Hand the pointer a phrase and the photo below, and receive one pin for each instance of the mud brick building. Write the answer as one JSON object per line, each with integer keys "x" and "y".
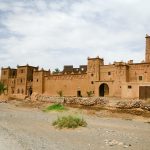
{"x": 120, "y": 79}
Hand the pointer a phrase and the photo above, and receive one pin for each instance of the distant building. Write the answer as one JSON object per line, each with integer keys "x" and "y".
{"x": 125, "y": 80}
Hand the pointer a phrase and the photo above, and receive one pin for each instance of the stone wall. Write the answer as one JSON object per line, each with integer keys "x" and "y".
{"x": 87, "y": 101}
{"x": 92, "y": 101}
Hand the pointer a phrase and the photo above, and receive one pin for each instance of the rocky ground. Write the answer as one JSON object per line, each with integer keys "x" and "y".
{"x": 24, "y": 127}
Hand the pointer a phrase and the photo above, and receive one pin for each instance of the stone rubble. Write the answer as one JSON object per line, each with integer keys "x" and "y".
{"x": 91, "y": 101}
{"x": 86, "y": 101}
{"x": 115, "y": 142}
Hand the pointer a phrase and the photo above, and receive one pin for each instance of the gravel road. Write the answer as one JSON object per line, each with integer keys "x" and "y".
{"x": 31, "y": 129}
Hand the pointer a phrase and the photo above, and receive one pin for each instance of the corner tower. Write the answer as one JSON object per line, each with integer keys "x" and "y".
{"x": 147, "y": 50}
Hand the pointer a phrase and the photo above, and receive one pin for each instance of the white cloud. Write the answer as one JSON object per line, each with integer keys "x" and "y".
{"x": 55, "y": 33}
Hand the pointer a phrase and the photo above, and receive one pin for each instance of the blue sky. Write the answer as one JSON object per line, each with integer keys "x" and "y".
{"x": 53, "y": 33}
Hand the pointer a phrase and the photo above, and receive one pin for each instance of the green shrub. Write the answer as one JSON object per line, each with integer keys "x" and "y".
{"x": 69, "y": 122}
{"x": 57, "y": 107}
{"x": 2, "y": 88}
{"x": 89, "y": 93}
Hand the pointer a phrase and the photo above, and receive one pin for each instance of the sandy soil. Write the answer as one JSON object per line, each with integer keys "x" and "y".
{"x": 23, "y": 128}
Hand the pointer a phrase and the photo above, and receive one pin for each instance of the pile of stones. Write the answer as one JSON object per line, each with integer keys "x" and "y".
{"x": 145, "y": 107}
{"x": 86, "y": 101}
{"x": 133, "y": 104}
{"x": 91, "y": 101}
{"x": 3, "y": 101}
{"x": 129, "y": 104}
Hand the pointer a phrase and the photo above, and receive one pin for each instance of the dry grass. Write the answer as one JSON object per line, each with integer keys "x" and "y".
{"x": 69, "y": 122}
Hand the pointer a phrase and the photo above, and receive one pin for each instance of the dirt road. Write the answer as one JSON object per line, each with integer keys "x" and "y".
{"x": 31, "y": 129}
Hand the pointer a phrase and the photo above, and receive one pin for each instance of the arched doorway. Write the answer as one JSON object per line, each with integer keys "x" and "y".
{"x": 103, "y": 90}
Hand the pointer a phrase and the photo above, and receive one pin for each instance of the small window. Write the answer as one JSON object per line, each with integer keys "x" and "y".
{"x": 92, "y": 74}
{"x": 4, "y": 72}
{"x": 140, "y": 78}
{"x": 21, "y": 70}
{"x": 37, "y": 80}
{"x": 21, "y": 80}
{"x": 92, "y": 82}
{"x": 109, "y": 73}
{"x": 129, "y": 87}
{"x": 18, "y": 91}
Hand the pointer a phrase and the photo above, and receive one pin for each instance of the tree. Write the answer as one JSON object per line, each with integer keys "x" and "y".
{"x": 57, "y": 70}
{"x": 2, "y": 88}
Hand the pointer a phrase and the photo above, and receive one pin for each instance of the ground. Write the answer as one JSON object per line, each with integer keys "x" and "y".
{"x": 29, "y": 128}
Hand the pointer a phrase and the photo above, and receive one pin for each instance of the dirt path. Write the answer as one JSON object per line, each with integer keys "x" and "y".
{"x": 31, "y": 129}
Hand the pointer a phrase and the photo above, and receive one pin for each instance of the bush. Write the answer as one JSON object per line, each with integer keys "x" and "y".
{"x": 69, "y": 122}
{"x": 57, "y": 107}
{"x": 89, "y": 93}
{"x": 2, "y": 88}
{"x": 60, "y": 93}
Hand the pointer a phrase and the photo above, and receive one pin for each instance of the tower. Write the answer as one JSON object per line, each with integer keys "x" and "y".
{"x": 147, "y": 52}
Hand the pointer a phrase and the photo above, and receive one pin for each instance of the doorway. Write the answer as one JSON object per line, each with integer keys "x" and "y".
{"x": 103, "y": 90}
{"x": 79, "y": 94}
{"x": 144, "y": 92}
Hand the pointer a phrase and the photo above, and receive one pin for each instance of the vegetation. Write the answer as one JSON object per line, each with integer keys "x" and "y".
{"x": 2, "y": 88}
{"x": 89, "y": 93}
{"x": 57, "y": 70}
{"x": 55, "y": 107}
{"x": 69, "y": 122}
{"x": 60, "y": 93}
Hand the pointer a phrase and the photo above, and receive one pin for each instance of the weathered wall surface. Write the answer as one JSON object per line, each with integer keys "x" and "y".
{"x": 68, "y": 84}
{"x": 131, "y": 89}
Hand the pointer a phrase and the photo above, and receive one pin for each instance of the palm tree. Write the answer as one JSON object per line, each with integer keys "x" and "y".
{"x": 57, "y": 70}
{"x": 2, "y": 88}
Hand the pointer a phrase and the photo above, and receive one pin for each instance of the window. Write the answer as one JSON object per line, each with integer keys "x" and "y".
{"x": 140, "y": 78}
{"x": 37, "y": 80}
{"x": 4, "y": 72}
{"x": 22, "y": 70}
{"x": 109, "y": 73}
{"x": 129, "y": 87}
{"x": 92, "y": 82}
{"x": 92, "y": 74}
{"x": 21, "y": 80}
{"x": 22, "y": 91}
{"x": 18, "y": 91}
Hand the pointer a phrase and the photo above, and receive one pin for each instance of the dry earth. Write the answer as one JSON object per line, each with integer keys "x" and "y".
{"x": 28, "y": 128}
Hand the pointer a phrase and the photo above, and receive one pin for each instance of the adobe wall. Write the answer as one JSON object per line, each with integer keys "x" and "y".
{"x": 136, "y": 70}
{"x": 21, "y": 80}
{"x": 113, "y": 75}
{"x": 68, "y": 84}
{"x": 110, "y": 85}
{"x": 107, "y": 73}
{"x": 38, "y": 80}
{"x": 131, "y": 89}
